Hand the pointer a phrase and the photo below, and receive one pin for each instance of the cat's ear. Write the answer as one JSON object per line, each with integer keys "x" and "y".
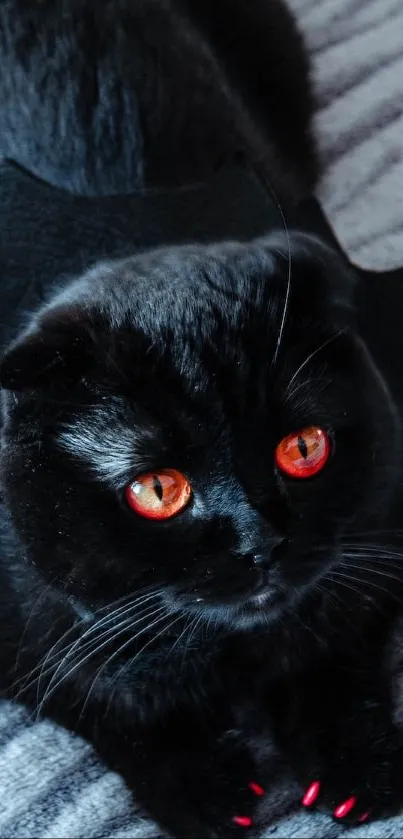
{"x": 319, "y": 274}
{"x": 333, "y": 278}
{"x": 55, "y": 350}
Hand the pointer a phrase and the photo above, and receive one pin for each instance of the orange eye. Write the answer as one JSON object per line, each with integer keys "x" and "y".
{"x": 159, "y": 495}
{"x": 303, "y": 454}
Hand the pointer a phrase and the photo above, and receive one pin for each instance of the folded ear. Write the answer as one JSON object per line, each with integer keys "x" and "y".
{"x": 333, "y": 276}
{"x": 319, "y": 274}
{"x": 55, "y": 350}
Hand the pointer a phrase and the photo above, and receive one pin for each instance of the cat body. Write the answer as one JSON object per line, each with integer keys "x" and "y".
{"x": 216, "y": 625}
{"x": 189, "y": 81}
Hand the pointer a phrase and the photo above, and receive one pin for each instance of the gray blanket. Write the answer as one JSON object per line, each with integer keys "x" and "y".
{"x": 51, "y": 783}
{"x": 357, "y": 52}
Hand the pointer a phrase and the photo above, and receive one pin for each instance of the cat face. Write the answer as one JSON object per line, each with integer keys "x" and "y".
{"x": 201, "y": 419}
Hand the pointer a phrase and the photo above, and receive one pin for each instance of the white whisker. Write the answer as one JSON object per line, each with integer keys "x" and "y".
{"x": 340, "y": 580}
{"x": 301, "y": 385}
{"x": 108, "y": 619}
{"x": 382, "y": 554}
{"x": 80, "y": 647}
{"x": 288, "y": 289}
{"x": 59, "y": 653}
{"x": 42, "y": 595}
{"x": 128, "y": 664}
{"x": 312, "y": 355}
{"x": 364, "y": 583}
{"x": 363, "y": 566}
{"x": 123, "y": 647}
{"x": 124, "y": 626}
{"x": 193, "y": 631}
{"x": 178, "y": 639}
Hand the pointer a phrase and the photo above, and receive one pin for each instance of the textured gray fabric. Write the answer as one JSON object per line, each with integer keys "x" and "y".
{"x": 51, "y": 783}
{"x": 357, "y": 50}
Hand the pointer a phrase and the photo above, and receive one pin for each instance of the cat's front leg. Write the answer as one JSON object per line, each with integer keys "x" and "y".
{"x": 345, "y": 747}
{"x": 193, "y": 782}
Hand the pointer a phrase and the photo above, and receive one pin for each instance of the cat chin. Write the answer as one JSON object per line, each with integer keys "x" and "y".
{"x": 258, "y": 609}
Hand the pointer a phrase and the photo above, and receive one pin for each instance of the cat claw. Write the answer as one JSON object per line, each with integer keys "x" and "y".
{"x": 311, "y": 794}
{"x": 242, "y": 821}
{"x": 345, "y": 808}
{"x": 256, "y": 788}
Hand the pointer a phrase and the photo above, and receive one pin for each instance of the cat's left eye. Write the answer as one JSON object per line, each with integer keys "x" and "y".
{"x": 304, "y": 453}
{"x": 159, "y": 495}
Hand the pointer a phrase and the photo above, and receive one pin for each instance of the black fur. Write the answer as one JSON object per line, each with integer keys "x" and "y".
{"x": 257, "y": 635}
{"x": 112, "y": 96}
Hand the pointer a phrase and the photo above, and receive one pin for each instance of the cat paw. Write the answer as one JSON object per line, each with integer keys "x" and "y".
{"x": 345, "y": 807}
{"x": 242, "y": 821}
{"x": 214, "y": 805}
{"x": 378, "y": 792}
{"x": 223, "y": 814}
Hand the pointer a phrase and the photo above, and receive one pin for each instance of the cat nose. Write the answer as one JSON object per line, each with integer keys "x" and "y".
{"x": 256, "y": 560}
{"x": 261, "y": 556}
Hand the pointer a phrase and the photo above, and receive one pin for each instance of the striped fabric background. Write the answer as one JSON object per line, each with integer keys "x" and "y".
{"x": 357, "y": 52}
{"x": 51, "y": 783}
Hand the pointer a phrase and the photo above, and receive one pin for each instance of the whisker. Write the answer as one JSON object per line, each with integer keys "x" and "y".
{"x": 111, "y": 617}
{"x": 123, "y": 627}
{"x": 288, "y": 290}
{"x": 194, "y": 630}
{"x": 370, "y": 570}
{"x": 128, "y": 665}
{"x": 332, "y": 595}
{"x": 359, "y": 534}
{"x": 339, "y": 604}
{"x": 312, "y": 355}
{"x": 371, "y": 562}
{"x": 189, "y": 623}
{"x": 366, "y": 583}
{"x": 305, "y": 383}
{"x": 374, "y": 551}
{"x": 75, "y": 627}
{"x": 151, "y": 641}
{"x": 340, "y": 580}
{"x": 123, "y": 647}
{"x": 389, "y": 560}
{"x": 80, "y": 647}
{"x": 42, "y": 595}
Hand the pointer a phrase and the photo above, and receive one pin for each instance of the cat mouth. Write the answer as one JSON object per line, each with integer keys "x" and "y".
{"x": 244, "y": 600}
{"x": 245, "y": 612}
{"x": 262, "y": 599}
{"x": 266, "y": 597}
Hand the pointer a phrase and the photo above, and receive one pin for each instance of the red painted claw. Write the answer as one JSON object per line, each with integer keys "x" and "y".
{"x": 344, "y": 809}
{"x": 256, "y": 788}
{"x": 311, "y": 794}
{"x": 242, "y": 821}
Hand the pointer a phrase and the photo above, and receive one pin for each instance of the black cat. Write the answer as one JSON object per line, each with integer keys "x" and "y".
{"x": 199, "y": 459}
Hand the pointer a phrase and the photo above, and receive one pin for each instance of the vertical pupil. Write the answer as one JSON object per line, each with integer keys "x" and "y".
{"x": 157, "y": 485}
{"x": 303, "y": 448}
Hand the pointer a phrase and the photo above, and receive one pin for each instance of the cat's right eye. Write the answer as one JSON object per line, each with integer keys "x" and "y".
{"x": 159, "y": 495}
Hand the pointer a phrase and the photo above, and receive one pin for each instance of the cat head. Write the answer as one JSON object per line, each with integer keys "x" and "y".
{"x": 200, "y": 419}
